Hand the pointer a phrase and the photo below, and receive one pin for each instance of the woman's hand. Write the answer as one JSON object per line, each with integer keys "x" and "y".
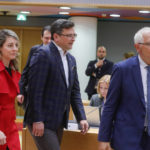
{"x": 2, "y": 138}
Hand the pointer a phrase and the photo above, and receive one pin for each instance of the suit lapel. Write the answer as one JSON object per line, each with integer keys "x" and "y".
{"x": 138, "y": 79}
{"x": 58, "y": 60}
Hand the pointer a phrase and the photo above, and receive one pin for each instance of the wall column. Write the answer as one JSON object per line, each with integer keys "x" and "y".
{"x": 84, "y": 48}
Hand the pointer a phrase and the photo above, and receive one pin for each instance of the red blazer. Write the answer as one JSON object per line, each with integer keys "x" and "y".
{"x": 8, "y": 90}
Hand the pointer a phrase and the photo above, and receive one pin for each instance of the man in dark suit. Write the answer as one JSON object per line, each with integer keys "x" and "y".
{"x": 96, "y": 69}
{"x": 53, "y": 86}
{"x": 125, "y": 121}
{"x": 23, "y": 84}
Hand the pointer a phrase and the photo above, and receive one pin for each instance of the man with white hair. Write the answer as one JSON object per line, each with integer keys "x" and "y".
{"x": 125, "y": 123}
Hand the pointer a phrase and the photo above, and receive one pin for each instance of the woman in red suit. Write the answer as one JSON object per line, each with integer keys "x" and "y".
{"x": 9, "y": 78}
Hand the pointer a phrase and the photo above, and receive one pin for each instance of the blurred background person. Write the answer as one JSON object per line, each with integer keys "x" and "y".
{"x": 46, "y": 35}
{"x": 128, "y": 55}
{"x": 9, "y": 79}
{"x": 96, "y": 69}
{"x": 23, "y": 84}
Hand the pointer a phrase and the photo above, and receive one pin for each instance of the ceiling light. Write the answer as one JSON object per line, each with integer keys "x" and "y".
{"x": 114, "y": 15}
{"x": 144, "y": 11}
{"x": 63, "y": 13}
{"x": 25, "y": 12}
{"x": 64, "y": 7}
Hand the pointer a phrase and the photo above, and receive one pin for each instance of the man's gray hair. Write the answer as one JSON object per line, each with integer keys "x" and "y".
{"x": 138, "y": 37}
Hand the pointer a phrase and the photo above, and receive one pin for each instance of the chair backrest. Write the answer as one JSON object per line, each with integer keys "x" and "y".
{"x": 93, "y": 115}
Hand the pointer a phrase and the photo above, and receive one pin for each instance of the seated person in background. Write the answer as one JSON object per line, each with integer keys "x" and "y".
{"x": 102, "y": 88}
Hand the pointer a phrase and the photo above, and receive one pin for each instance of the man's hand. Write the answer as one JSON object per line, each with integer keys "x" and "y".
{"x": 38, "y": 129}
{"x": 104, "y": 146}
{"x": 94, "y": 74}
{"x": 99, "y": 63}
{"x": 2, "y": 138}
{"x": 84, "y": 126}
{"x": 20, "y": 98}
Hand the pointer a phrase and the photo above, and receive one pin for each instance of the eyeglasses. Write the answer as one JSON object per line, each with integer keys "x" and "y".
{"x": 69, "y": 35}
{"x": 147, "y": 44}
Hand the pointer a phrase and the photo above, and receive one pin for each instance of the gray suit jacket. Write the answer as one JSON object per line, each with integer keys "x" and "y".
{"x": 96, "y": 100}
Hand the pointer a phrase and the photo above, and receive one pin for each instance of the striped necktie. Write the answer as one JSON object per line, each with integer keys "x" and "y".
{"x": 148, "y": 98}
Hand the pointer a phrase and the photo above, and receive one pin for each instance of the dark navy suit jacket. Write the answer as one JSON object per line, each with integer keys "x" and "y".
{"x": 24, "y": 76}
{"x": 23, "y": 83}
{"x": 105, "y": 69}
{"x": 49, "y": 96}
{"x": 124, "y": 111}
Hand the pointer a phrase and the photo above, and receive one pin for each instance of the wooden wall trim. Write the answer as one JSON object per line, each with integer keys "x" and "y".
{"x": 22, "y": 27}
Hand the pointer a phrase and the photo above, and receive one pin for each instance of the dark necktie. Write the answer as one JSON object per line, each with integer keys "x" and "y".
{"x": 148, "y": 98}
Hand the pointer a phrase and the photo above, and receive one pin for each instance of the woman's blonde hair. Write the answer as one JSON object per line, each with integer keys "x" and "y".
{"x": 4, "y": 34}
{"x": 106, "y": 79}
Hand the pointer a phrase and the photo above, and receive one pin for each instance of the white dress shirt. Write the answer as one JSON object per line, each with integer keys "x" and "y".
{"x": 64, "y": 61}
{"x": 143, "y": 69}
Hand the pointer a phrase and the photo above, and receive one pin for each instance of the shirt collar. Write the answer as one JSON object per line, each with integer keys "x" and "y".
{"x": 142, "y": 63}
{"x": 100, "y": 59}
{"x": 60, "y": 50}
